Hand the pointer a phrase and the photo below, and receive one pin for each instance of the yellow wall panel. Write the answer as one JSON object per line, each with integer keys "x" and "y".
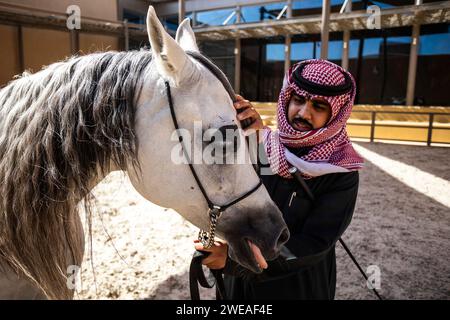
{"x": 358, "y": 131}
{"x": 405, "y": 134}
{"x": 440, "y": 136}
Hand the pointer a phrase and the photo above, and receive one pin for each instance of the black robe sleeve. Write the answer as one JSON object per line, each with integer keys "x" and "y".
{"x": 326, "y": 220}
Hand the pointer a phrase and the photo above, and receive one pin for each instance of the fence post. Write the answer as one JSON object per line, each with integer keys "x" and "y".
{"x": 372, "y": 126}
{"x": 430, "y": 128}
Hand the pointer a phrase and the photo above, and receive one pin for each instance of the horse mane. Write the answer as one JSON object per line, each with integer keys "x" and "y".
{"x": 59, "y": 129}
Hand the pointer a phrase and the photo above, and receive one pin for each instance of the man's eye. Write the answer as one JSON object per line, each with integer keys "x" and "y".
{"x": 299, "y": 99}
{"x": 319, "y": 106}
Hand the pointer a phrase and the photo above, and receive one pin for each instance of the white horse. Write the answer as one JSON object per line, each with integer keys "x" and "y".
{"x": 63, "y": 129}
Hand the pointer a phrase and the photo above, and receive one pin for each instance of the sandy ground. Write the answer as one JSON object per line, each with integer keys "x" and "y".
{"x": 401, "y": 224}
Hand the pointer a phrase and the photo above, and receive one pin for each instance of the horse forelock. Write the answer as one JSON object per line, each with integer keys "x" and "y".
{"x": 58, "y": 128}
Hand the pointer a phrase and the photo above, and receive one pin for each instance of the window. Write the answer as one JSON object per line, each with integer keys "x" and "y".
{"x": 133, "y": 17}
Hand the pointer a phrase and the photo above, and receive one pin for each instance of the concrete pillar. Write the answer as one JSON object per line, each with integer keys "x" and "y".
{"x": 287, "y": 53}
{"x": 412, "y": 70}
{"x": 194, "y": 18}
{"x": 346, "y": 41}
{"x": 289, "y": 9}
{"x": 287, "y": 42}
{"x": 325, "y": 29}
{"x": 181, "y": 11}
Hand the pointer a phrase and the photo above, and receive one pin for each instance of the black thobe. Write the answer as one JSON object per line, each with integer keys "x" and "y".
{"x": 315, "y": 227}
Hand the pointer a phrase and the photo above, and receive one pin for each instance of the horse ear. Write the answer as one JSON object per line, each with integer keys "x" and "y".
{"x": 170, "y": 57}
{"x": 185, "y": 36}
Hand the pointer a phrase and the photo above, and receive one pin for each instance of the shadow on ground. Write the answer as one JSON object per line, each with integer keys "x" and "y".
{"x": 404, "y": 232}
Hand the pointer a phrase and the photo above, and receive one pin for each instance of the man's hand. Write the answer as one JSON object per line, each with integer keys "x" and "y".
{"x": 249, "y": 113}
{"x": 218, "y": 256}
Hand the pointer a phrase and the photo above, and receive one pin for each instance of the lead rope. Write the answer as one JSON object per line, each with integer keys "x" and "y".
{"x": 294, "y": 171}
{"x": 358, "y": 266}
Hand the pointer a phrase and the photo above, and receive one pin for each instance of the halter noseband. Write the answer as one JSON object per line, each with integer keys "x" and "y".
{"x": 214, "y": 211}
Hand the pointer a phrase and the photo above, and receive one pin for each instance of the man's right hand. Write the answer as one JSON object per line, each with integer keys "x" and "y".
{"x": 249, "y": 113}
{"x": 218, "y": 257}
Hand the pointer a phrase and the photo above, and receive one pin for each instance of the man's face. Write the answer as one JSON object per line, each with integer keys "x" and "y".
{"x": 305, "y": 115}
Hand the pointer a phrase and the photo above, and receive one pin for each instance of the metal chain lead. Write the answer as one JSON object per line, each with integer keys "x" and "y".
{"x": 207, "y": 238}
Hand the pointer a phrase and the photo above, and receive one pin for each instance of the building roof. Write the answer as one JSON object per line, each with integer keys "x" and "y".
{"x": 437, "y": 12}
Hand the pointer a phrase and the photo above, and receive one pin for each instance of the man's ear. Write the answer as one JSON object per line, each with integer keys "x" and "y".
{"x": 170, "y": 57}
{"x": 185, "y": 36}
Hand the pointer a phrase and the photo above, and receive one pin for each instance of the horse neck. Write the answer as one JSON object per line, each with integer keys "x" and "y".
{"x": 97, "y": 177}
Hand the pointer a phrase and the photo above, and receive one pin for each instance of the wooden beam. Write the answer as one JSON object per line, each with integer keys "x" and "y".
{"x": 426, "y": 14}
{"x": 170, "y": 7}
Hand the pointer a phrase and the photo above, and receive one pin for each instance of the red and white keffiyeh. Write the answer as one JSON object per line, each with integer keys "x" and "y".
{"x": 331, "y": 149}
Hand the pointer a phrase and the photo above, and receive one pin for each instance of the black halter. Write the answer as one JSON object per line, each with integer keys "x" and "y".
{"x": 207, "y": 238}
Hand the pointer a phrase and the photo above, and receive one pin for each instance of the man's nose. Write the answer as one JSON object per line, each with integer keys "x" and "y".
{"x": 305, "y": 110}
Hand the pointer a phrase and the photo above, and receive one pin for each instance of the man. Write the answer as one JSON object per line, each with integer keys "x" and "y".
{"x": 313, "y": 106}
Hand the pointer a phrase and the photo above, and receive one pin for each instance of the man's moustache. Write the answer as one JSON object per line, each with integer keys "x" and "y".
{"x": 303, "y": 121}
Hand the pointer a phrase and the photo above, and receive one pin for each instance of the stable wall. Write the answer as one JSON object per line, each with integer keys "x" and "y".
{"x": 9, "y": 53}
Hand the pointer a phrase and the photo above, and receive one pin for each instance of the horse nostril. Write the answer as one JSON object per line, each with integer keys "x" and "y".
{"x": 283, "y": 238}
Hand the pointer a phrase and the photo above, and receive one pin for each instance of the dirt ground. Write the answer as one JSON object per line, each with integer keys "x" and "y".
{"x": 401, "y": 224}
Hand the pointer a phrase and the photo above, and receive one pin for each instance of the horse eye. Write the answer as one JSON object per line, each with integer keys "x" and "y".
{"x": 228, "y": 143}
{"x": 226, "y": 138}
{"x": 234, "y": 141}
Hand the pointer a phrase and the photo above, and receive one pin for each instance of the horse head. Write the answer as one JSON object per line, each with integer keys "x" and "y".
{"x": 202, "y": 104}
